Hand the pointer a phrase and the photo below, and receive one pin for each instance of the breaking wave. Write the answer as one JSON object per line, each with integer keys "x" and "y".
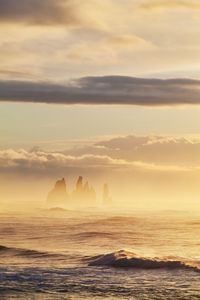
{"x": 12, "y": 251}
{"x": 127, "y": 259}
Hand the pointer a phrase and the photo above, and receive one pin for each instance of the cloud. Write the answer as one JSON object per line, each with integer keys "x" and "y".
{"x": 151, "y": 150}
{"x": 128, "y": 41}
{"x": 37, "y": 12}
{"x": 22, "y": 74}
{"x": 165, "y": 4}
{"x": 159, "y": 150}
{"x": 58, "y": 39}
{"x": 38, "y": 160}
{"x": 109, "y": 49}
{"x": 72, "y": 13}
{"x": 105, "y": 90}
{"x": 48, "y": 163}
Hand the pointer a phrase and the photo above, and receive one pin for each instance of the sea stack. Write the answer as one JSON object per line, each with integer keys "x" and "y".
{"x": 83, "y": 195}
{"x": 58, "y": 195}
{"x": 107, "y": 199}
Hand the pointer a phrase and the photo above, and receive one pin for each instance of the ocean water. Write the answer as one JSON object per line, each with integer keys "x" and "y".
{"x": 72, "y": 255}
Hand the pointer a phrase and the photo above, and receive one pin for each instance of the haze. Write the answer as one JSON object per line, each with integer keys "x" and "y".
{"x": 89, "y": 89}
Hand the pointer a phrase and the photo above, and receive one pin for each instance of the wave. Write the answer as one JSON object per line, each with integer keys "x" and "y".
{"x": 94, "y": 234}
{"x": 20, "y": 252}
{"x": 127, "y": 259}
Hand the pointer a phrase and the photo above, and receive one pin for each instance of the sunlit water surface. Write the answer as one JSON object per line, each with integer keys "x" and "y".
{"x": 46, "y": 256}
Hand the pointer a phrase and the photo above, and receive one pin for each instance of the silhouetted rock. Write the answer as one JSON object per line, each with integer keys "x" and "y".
{"x": 92, "y": 193}
{"x": 83, "y": 195}
{"x": 79, "y": 184}
{"x": 86, "y": 188}
{"x": 107, "y": 199}
{"x": 59, "y": 193}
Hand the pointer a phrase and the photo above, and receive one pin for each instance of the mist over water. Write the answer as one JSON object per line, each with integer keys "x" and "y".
{"x": 75, "y": 255}
{"x": 99, "y": 150}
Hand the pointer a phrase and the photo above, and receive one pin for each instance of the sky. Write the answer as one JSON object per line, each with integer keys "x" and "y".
{"x": 108, "y": 89}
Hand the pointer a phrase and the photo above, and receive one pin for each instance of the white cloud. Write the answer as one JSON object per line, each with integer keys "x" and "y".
{"x": 36, "y": 161}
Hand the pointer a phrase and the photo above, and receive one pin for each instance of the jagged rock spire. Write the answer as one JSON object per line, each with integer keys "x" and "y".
{"x": 79, "y": 184}
{"x": 83, "y": 195}
{"x": 107, "y": 199}
{"x": 58, "y": 194}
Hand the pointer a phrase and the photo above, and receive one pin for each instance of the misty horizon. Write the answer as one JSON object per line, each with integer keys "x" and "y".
{"x": 99, "y": 149}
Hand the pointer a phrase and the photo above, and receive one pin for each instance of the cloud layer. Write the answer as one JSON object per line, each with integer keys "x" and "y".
{"x": 152, "y": 150}
{"x": 136, "y": 153}
{"x": 36, "y": 12}
{"x": 60, "y": 39}
{"x": 52, "y": 163}
{"x": 105, "y": 90}
{"x": 71, "y": 12}
{"x": 175, "y": 4}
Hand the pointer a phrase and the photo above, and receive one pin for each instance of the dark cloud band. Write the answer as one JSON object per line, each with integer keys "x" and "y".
{"x": 105, "y": 90}
{"x": 37, "y": 12}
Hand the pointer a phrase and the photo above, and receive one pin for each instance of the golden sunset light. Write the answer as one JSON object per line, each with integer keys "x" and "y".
{"x": 99, "y": 149}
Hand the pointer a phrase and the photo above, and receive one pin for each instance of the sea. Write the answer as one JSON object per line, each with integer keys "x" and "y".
{"x": 57, "y": 254}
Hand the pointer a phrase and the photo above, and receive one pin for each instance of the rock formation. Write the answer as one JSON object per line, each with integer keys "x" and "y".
{"x": 107, "y": 199}
{"x": 84, "y": 195}
{"x": 58, "y": 195}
